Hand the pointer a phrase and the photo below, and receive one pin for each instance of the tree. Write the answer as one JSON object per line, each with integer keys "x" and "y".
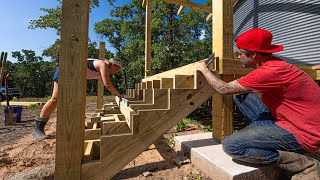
{"x": 31, "y": 74}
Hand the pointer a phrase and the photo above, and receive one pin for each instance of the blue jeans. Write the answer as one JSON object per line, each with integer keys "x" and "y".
{"x": 259, "y": 141}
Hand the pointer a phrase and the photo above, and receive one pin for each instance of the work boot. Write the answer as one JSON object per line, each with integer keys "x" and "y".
{"x": 38, "y": 133}
{"x": 302, "y": 167}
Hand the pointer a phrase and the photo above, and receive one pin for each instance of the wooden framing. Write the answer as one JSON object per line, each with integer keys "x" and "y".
{"x": 100, "y": 88}
{"x": 158, "y": 103}
{"x": 222, "y": 46}
{"x": 192, "y": 5}
{"x": 72, "y": 89}
{"x": 148, "y": 38}
{"x": 209, "y": 17}
{"x": 180, "y": 10}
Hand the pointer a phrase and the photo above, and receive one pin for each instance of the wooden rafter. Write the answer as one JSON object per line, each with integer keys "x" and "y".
{"x": 148, "y": 38}
{"x": 193, "y": 5}
{"x": 100, "y": 88}
{"x": 144, "y": 3}
{"x": 209, "y": 17}
{"x": 180, "y": 10}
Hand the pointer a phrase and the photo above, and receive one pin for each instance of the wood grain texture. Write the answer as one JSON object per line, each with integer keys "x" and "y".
{"x": 72, "y": 89}
{"x": 100, "y": 88}
{"x": 191, "y": 5}
{"x": 152, "y": 124}
{"x": 148, "y": 30}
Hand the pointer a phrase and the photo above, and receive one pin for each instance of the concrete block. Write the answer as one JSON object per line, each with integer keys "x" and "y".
{"x": 207, "y": 155}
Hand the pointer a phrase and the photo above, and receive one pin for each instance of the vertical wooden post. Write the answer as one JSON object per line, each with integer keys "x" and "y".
{"x": 223, "y": 47}
{"x": 72, "y": 89}
{"x": 147, "y": 71}
{"x": 100, "y": 88}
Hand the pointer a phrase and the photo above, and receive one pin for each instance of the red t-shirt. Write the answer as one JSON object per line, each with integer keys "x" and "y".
{"x": 292, "y": 97}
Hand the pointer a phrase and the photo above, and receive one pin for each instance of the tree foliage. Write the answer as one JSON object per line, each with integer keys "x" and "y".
{"x": 176, "y": 41}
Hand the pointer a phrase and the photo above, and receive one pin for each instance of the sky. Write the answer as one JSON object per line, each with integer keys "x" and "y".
{"x": 15, "y": 16}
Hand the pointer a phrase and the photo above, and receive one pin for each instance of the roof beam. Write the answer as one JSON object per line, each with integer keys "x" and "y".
{"x": 193, "y": 5}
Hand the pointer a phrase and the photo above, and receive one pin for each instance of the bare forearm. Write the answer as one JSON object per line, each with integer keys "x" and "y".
{"x": 221, "y": 86}
{"x": 112, "y": 89}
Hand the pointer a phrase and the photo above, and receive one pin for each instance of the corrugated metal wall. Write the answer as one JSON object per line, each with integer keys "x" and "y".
{"x": 294, "y": 23}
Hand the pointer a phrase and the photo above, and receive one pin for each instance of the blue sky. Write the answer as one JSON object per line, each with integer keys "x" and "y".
{"x": 15, "y": 16}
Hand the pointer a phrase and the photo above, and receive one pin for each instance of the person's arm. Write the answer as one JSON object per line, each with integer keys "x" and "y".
{"x": 220, "y": 86}
{"x": 102, "y": 67}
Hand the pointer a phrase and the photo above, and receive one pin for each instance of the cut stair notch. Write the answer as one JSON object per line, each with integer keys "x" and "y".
{"x": 184, "y": 82}
{"x": 160, "y": 101}
{"x": 166, "y": 83}
{"x": 119, "y": 126}
{"x": 156, "y": 84}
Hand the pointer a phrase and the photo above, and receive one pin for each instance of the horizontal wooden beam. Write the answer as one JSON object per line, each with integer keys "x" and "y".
{"x": 183, "y": 82}
{"x": 166, "y": 83}
{"x": 92, "y": 134}
{"x": 234, "y": 67}
{"x": 191, "y": 5}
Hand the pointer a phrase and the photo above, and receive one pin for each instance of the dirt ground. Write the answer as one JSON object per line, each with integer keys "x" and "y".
{"x": 21, "y": 157}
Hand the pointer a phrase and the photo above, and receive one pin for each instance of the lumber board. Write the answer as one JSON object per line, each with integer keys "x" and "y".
{"x": 17, "y": 103}
{"x": 72, "y": 89}
{"x": 183, "y": 82}
{"x": 110, "y": 105}
{"x": 119, "y": 126}
{"x": 100, "y": 87}
{"x": 127, "y": 112}
{"x": 144, "y": 3}
{"x": 89, "y": 125}
{"x": 92, "y": 134}
{"x": 156, "y": 84}
{"x": 95, "y": 119}
{"x": 143, "y": 85}
{"x": 234, "y": 67}
{"x": 166, "y": 83}
{"x": 222, "y": 119}
{"x": 148, "y": 84}
{"x": 208, "y": 17}
{"x": 91, "y": 150}
{"x": 191, "y": 5}
{"x": 152, "y": 124}
{"x": 109, "y": 118}
{"x": 181, "y": 8}
{"x": 161, "y": 101}
{"x": 222, "y": 39}
{"x": 147, "y": 97}
{"x": 148, "y": 29}
{"x": 183, "y": 70}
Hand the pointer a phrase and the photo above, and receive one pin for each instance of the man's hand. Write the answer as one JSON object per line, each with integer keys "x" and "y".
{"x": 120, "y": 96}
{"x": 200, "y": 66}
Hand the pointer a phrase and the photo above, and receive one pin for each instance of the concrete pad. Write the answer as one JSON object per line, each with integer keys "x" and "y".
{"x": 207, "y": 155}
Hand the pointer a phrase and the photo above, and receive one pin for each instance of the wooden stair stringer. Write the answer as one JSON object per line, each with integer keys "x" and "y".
{"x": 160, "y": 101}
{"x": 118, "y": 151}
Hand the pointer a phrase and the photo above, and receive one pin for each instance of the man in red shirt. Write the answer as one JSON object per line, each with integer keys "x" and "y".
{"x": 282, "y": 103}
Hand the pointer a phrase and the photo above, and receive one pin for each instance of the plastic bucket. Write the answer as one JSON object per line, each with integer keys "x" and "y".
{"x": 17, "y": 110}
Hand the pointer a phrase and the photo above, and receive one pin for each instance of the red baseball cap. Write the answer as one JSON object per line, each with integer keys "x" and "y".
{"x": 258, "y": 40}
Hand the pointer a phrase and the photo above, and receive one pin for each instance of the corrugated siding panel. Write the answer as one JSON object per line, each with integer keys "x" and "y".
{"x": 294, "y": 23}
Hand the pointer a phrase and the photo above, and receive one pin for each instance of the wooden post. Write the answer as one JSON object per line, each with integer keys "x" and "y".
{"x": 72, "y": 89}
{"x": 222, "y": 46}
{"x": 148, "y": 39}
{"x": 100, "y": 88}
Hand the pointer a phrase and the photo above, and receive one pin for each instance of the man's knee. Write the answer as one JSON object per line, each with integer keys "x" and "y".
{"x": 231, "y": 146}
